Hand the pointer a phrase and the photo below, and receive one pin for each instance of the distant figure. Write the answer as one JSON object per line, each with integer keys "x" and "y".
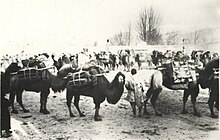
{"x": 135, "y": 93}
{"x": 138, "y": 61}
{"x": 183, "y": 50}
{"x": 215, "y": 55}
{"x": 5, "y": 117}
{"x": 117, "y": 61}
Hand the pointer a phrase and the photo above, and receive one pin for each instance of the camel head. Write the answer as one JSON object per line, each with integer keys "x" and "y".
{"x": 65, "y": 70}
{"x": 116, "y": 88}
{"x": 13, "y": 67}
{"x": 121, "y": 78}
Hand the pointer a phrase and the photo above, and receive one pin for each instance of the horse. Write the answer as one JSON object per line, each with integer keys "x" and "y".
{"x": 102, "y": 90}
{"x": 208, "y": 78}
{"x": 164, "y": 78}
{"x": 42, "y": 84}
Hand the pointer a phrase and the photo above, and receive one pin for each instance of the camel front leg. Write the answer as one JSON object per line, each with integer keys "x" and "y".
{"x": 193, "y": 99}
{"x": 43, "y": 101}
{"x": 97, "y": 117}
{"x": 194, "y": 94}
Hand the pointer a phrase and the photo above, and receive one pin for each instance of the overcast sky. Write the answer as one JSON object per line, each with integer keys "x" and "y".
{"x": 55, "y": 23}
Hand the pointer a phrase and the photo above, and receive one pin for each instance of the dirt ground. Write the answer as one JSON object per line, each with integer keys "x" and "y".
{"x": 117, "y": 120}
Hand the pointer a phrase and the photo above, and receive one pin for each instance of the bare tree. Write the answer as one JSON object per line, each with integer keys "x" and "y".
{"x": 196, "y": 36}
{"x": 122, "y": 38}
{"x": 142, "y": 25}
{"x": 148, "y": 26}
{"x": 118, "y": 39}
{"x": 172, "y": 38}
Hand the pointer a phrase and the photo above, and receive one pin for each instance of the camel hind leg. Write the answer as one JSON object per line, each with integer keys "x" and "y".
{"x": 185, "y": 98}
{"x": 19, "y": 100}
{"x": 154, "y": 90}
{"x": 76, "y": 103}
{"x": 154, "y": 99}
{"x": 11, "y": 99}
{"x": 69, "y": 97}
{"x": 148, "y": 96}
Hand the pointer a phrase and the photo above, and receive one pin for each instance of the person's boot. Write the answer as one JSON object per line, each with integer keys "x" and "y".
{"x": 6, "y": 134}
{"x": 134, "y": 112}
{"x": 133, "y": 107}
{"x": 140, "y": 112}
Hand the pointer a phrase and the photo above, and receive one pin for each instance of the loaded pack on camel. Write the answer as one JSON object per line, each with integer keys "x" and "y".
{"x": 177, "y": 74}
{"x": 32, "y": 70}
{"x": 85, "y": 77}
{"x": 32, "y": 74}
{"x": 31, "y": 62}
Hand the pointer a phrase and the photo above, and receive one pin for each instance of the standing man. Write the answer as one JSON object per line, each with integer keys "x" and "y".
{"x": 5, "y": 117}
{"x": 135, "y": 93}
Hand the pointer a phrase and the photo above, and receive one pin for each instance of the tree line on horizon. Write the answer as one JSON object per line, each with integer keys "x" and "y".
{"x": 146, "y": 29}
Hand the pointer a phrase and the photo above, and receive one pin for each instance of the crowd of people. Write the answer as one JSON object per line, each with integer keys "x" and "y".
{"x": 127, "y": 58}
